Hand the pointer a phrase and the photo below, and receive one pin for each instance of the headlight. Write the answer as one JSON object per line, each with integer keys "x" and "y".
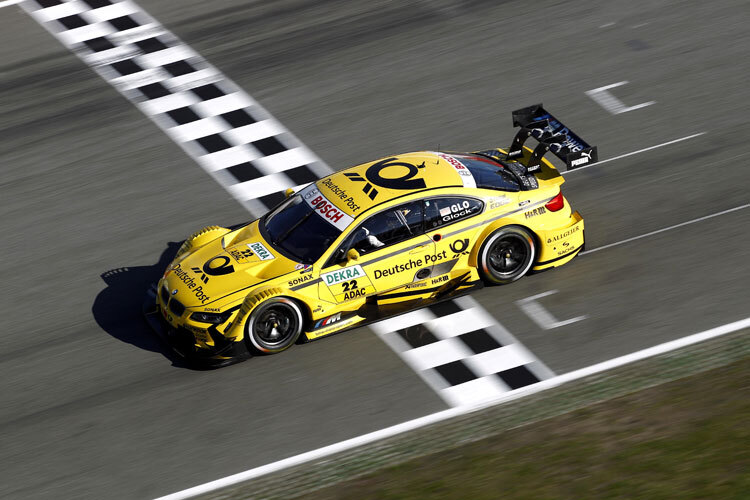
{"x": 186, "y": 245}
{"x": 214, "y": 318}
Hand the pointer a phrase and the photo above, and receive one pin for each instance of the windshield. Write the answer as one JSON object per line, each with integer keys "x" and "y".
{"x": 300, "y": 229}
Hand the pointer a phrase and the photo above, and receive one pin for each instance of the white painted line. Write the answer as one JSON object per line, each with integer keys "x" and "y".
{"x": 605, "y": 99}
{"x": 681, "y": 224}
{"x": 692, "y": 136}
{"x": 457, "y": 411}
{"x": 8, "y": 3}
{"x": 541, "y": 316}
{"x": 606, "y": 25}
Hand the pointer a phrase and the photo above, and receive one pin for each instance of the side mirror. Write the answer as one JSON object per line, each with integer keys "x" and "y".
{"x": 352, "y": 254}
{"x": 289, "y": 192}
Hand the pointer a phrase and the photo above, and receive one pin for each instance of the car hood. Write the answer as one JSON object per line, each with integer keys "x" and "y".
{"x": 235, "y": 262}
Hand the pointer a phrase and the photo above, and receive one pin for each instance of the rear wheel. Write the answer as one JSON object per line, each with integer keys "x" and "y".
{"x": 274, "y": 325}
{"x": 507, "y": 255}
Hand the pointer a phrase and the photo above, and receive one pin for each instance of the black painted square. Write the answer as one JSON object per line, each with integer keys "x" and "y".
{"x": 213, "y": 143}
{"x": 123, "y": 23}
{"x": 208, "y": 92}
{"x": 520, "y": 376}
{"x": 99, "y": 44}
{"x": 126, "y": 67}
{"x": 151, "y": 45}
{"x": 269, "y": 146}
{"x": 444, "y": 308}
{"x": 179, "y": 68}
{"x": 184, "y": 115}
{"x": 48, "y": 3}
{"x": 245, "y": 172}
{"x": 73, "y": 22}
{"x": 238, "y": 118}
{"x": 95, "y": 4}
{"x": 480, "y": 341}
{"x": 273, "y": 199}
{"x": 456, "y": 372}
{"x": 301, "y": 175}
{"x": 417, "y": 336}
{"x": 154, "y": 90}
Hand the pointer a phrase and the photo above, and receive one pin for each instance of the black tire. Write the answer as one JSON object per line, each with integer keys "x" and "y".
{"x": 506, "y": 255}
{"x": 274, "y": 325}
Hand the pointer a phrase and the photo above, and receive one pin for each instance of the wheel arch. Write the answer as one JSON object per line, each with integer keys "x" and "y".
{"x": 258, "y": 296}
{"x": 491, "y": 228}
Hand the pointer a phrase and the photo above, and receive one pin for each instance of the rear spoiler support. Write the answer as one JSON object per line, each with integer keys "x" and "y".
{"x": 553, "y": 136}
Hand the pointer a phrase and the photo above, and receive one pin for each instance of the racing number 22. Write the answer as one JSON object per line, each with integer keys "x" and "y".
{"x": 349, "y": 285}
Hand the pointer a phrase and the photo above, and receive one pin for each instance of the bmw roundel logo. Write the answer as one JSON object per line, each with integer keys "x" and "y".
{"x": 174, "y": 292}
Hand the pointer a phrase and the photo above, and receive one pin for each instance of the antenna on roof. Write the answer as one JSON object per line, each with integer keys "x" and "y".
{"x": 437, "y": 161}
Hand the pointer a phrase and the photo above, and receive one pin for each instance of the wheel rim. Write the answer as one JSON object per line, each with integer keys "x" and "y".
{"x": 508, "y": 255}
{"x": 275, "y": 325}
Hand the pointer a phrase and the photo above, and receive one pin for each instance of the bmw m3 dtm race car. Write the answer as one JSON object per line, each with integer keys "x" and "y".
{"x": 371, "y": 241}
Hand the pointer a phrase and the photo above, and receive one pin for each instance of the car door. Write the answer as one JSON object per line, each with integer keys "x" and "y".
{"x": 391, "y": 249}
{"x": 451, "y": 222}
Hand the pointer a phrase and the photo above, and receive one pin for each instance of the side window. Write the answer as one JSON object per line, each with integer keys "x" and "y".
{"x": 443, "y": 211}
{"x": 387, "y": 228}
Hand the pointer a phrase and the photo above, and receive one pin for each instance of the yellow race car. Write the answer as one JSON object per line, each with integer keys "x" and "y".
{"x": 372, "y": 241}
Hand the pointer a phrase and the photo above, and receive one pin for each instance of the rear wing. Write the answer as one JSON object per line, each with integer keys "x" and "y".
{"x": 553, "y": 136}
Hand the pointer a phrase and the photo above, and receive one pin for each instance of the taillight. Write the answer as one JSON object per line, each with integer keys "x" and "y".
{"x": 555, "y": 203}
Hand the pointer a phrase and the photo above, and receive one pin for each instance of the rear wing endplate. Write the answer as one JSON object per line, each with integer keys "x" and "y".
{"x": 553, "y": 136}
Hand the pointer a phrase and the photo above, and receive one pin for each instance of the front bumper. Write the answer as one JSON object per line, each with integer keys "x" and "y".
{"x": 182, "y": 341}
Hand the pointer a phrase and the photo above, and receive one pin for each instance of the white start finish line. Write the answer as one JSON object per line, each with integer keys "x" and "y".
{"x": 236, "y": 141}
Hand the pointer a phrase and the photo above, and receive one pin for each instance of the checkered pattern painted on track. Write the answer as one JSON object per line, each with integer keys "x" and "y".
{"x": 461, "y": 351}
{"x": 236, "y": 141}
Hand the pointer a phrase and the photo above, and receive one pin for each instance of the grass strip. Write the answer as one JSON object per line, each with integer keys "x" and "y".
{"x": 684, "y": 439}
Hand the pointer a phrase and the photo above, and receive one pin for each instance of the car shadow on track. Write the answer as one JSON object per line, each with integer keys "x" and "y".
{"x": 118, "y": 308}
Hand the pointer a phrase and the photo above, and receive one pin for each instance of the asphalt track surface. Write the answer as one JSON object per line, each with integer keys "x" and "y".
{"x": 94, "y": 197}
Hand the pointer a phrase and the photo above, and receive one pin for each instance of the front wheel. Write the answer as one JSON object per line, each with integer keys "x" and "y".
{"x": 274, "y": 325}
{"x": 507, "y": 255}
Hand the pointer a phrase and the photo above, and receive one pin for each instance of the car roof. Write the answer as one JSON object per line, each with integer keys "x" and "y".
{"x": 356, "y": 189}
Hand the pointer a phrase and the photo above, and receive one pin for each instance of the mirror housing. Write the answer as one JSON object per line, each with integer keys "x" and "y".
{"x": 352, "y": 254}
{"x": 289, "y": 192}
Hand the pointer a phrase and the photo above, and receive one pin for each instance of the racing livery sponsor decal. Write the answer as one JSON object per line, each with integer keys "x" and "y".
{"x": 327, "y": 321}
{"x": 459, "y": 247}
{"x": 498, "y": 201}
{"x": 374, "y": 176}
{"x": 345, "y": 274}
{"x": 218, "y": 266}
{"x": 261, "y": 250}
{"x": 535, "y": 212}
{"x": 305, "y": 268}
{"x": 326, "y": 209}
{"x": 341, "y": 193}
{"x": 458, "y": 210}
{"x": 564, "y": 234}
{"x": 189, "y": 281}
{"x": 240, "y": 255}
{"x": 348, "y": 283}
{"x": 440, "y": 279}
{"x": 300, "y": 280}
{"x": 466, "y": 177}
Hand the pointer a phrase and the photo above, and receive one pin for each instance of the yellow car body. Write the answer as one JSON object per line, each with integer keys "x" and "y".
{"x": 373, "y": 241}
{"x": 209, "y": 294}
